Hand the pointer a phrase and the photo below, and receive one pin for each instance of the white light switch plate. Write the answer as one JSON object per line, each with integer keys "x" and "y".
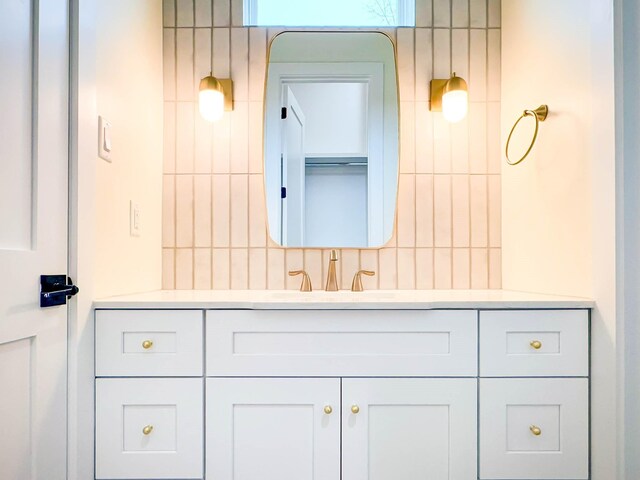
{"x": 104, "y": 139}
{"x": 134, "y": 219}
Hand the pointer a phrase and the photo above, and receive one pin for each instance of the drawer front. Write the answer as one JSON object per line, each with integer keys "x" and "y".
{"x": 534, "y": 428}
{"x": 149, "y": 428}
{"x": 534, "y": 343}
{"x": 149, "y": 343}
{"x": 329, "y": 343}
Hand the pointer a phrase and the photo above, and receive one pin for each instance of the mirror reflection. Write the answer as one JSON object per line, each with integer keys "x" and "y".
{"x": 331, "y": 139}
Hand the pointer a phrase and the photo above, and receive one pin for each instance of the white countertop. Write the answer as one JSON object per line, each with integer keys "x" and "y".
{"x": 344, "y": 299}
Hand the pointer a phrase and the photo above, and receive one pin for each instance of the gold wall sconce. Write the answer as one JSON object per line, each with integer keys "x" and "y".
{"x": 451, "y": 97}
{"x": 215, "y": 97}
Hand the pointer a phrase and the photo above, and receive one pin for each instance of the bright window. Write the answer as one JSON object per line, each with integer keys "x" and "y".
{"x": 330, "y": 13}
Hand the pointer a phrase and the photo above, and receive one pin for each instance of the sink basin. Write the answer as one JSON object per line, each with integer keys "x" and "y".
{"x": 340, "y": 296}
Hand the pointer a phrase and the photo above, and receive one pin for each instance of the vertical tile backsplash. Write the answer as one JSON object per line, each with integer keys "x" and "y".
{"x": 214, "y": 220}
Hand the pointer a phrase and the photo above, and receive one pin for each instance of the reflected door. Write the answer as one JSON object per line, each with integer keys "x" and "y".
{"x": 292, "y": 171}
{"x": 33, "y": 236}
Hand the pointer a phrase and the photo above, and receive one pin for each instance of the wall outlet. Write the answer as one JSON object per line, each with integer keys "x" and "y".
{"x": 134, "y": 219}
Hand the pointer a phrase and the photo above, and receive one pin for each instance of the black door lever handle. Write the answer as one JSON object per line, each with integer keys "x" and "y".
{"x": 55, "y": 289}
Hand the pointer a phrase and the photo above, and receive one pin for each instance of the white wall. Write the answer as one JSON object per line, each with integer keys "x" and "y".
{"x": 559, "y": 205}
{"x": 129, "y": 95}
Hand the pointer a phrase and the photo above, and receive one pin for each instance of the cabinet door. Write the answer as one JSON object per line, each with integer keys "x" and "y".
{"x": 273, "y": 429}
{"x": 405, "y": 429}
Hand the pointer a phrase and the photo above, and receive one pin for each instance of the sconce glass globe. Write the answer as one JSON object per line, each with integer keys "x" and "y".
{"x": 455, "y": 99}
{"x": 211, "y": 99}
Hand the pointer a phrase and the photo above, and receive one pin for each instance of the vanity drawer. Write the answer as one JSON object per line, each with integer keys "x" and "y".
{"x": 149, "y": 343}
{"x": 330, "y": 343}
{"x": 534, "y": 428}
{"x": 149, "y": 428}
{"x": 534, "y": 343}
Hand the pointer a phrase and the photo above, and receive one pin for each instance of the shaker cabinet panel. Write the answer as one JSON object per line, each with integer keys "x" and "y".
{"x": 404, "y": 429}
{"x": 273, "y": 429}
{"x": 534, "y": 428}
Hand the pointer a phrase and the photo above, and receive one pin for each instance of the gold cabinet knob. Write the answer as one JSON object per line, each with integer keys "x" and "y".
{"x": 147, "y": 344}
{"x": 355, "y": 409}
{"x": 147, "y": 429}
{"x": 536, "y": 344}
{"x": 535, "y": 430}
{"x": 328, "y": 409}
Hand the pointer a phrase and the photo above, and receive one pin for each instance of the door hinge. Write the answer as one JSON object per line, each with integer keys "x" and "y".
{"x": 283, "y": 192}
{"x": 283, "y": 113}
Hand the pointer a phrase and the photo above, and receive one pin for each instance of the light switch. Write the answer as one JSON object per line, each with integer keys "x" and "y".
{"x": 134, "y": 219}
{"x": 104, "y": 139}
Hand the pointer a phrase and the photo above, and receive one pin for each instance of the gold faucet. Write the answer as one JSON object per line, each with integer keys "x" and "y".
{"x": 332, "y": 281}
{"x": 356, "y": 285}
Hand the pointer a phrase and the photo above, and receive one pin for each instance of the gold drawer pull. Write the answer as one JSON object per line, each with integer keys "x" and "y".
{"x": 355, "y": 409}
{"x": 535, "y": 430}
{"x": 147, "y": 344}
{"x": 537, "y": 344}
{"x": 328, "y": 409}
{"x": 147, "y": 430}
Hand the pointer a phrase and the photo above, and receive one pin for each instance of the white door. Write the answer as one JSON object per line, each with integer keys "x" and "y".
{"x": 293, "y": 171}
{"x": 405, "y": 429}
{"x": 273, "y": 428}
{"x": 33, "y": 236}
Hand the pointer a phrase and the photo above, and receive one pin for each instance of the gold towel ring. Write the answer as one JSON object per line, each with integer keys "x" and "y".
{"x": 540, "y": 115}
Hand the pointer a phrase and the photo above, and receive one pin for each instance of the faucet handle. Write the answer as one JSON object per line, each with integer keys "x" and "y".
{"x": 306, "y": 281}
{"x": 356, "y": 285}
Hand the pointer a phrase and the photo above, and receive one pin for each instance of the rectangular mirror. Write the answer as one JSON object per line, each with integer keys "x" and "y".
{"x": 331, "y": 139}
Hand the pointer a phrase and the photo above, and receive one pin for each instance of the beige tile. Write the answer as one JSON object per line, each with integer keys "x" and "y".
{"x": 202, "y": 211}
{"x": 441, "y": 143}
{"x": 184, "y": 211}
{"x": 495, "y": 211}
{"x": 478, "y": 66}
{"x": 255, "y": 137}
{"x": 221, "y": 145}
{"x": 294, "y": 261}
{"x": 169, "y": 144}
{"x": 442, "y": 210}
{"x": 184, "y": 65}
{"x": 493, "y": 66}
{"x": 479, "y": 268}
{"x": 202, "y": 269}
{"x": 461, "y": 268}
{"x": 168, "y": 211}
{"x": 257, "y": 212}
{"x": 221, "y": 52}
{"x": 424, "y": 268}
{"x": 185, "y": 15}
{"x": 203, "y": 13}
{"x": 349, "y": 264}
{"x": 239, "y": 268}
{"x": 495, "y": 268}
{"x": 495, "y": 153}
{"x": 239, "y": 197}
{"x": 221, "y": 221}
{"x": 168, "y": 268}
{"x": 441, "y": 53}
{"x": 203, "y": 144}
{"x": 221, "y": 262}
{"x": 407, "y": 138}
{"x": 313, "y": 266}
{"x": 442, "y": 13}
{"x": 388, "y": 266}
{"x": 495, "y": 13}
{"x": 424, "y": 210}
{"x": 460, "y": 52}
{"x": 240, "y": 63}
{"x": 407, "y": 211}
{"x": 460, "y": 146}
{"x": 169, "y": 63}
{"x": 239, "y": 159}
{"x": 479, "y": 211}
{"x": 424, "y": 13}
{"x": 460, "y": 201}
{"x": 184, "y": 269}
{"x": 478, "y": 137}
{"x": 236, "y": 13}
{"x": 275, "y": 269}
{"x": 201, "y": 56}
{"x": 478, "y": 13}
{"x": 424, "y": 138}
{"x": 369, "y": 261}
{"x": 257, "y": 268}
{"x": 460, "y": 13}
{"x": 406, "y": 269}
{"x": 168, "y": 13}
{"x": 184, "y": 137}
{"x": 442, "y": 263}
{"x": 221, "y": 13}
{"x": 257, "y": 63}
{"x": 406, "y": 72}
{"x": 423, "y": 63}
